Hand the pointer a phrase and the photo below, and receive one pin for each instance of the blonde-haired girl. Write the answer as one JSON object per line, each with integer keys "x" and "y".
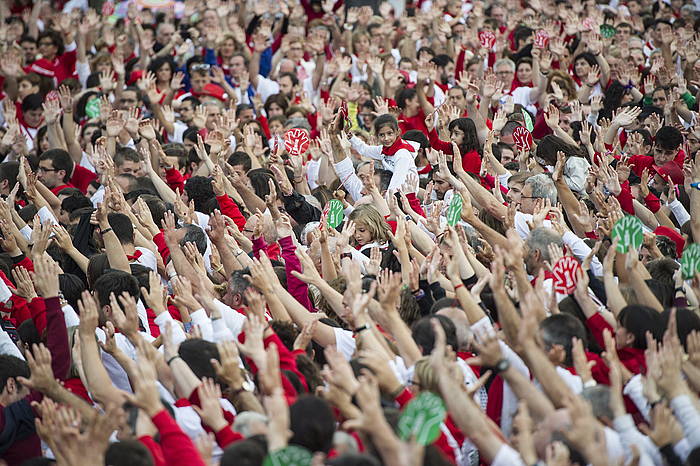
{"x": 370, "y": 228}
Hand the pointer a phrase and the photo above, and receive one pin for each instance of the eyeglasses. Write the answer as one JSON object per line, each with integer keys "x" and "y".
{"x": 201, "y": 67}
{"x": 44, "y": 170}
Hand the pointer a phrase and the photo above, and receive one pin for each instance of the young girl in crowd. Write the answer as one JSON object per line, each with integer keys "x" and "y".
{"x": 396, "y": 154}
{"x": 371, "y": 229}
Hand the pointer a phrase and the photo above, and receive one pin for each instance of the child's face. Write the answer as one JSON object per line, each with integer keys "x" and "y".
{"x": 276, "y": 127}
{"x": 457, "y": 136}
{"x": 623, "y": 338}
{"x": 387, "y": 135}
{"x": 362, "y": 233}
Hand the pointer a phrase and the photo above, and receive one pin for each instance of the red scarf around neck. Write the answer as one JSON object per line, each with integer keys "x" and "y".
{"x": 396, "y": 146}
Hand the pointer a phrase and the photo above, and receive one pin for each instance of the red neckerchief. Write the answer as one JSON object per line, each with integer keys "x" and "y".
{"x": 396, "y": 146}
{"x": 135, "y": 257}
{"x": 547, "y": 275}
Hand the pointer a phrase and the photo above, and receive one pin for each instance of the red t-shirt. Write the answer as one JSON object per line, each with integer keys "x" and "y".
{"x": 417, "y": 121}
{"x": 82, "y": 177}
{"x": 60, "y": 188}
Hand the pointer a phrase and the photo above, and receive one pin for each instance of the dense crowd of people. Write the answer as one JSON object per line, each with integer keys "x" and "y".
{"x": 352, "y": 232}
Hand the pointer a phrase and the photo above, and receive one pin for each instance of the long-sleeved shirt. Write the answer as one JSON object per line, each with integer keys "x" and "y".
{"x": 57, "y": 338}
{"x": 688, "y": 416}
{"x": 176, "y": 446}
{"x": 629, "y": 435}
{"x": 18, "y": 439}
{"x": 348, "y": 178}
{"x": 231, "y": 210}
{"x": 400, "y": 164}
{"x": 296, "y": 287}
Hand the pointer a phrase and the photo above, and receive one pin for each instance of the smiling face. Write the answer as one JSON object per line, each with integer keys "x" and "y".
{"x": 33, "y": 117}
{"x": 387, "y": 135}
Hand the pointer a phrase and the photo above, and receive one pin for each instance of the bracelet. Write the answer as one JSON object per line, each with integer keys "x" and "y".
{"x": 361, "y": 329}
{"x": 105, "y": 231}
{"x": 679, "y": 290}
{"x": 172, "y": 359}
{"x": 457, "y": 286}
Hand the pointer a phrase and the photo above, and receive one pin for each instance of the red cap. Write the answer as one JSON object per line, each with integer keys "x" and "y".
{"x": 215, "y": 91}
{"x": 675, "y": 237}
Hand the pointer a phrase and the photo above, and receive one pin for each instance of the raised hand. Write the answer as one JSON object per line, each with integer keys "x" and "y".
{"x": 24, "y": 284}
{"x": 115, "y": 124}
{"x": 42, "y": 378}
{"x": 210, "y": 410}
{"x": 46, "y": 272}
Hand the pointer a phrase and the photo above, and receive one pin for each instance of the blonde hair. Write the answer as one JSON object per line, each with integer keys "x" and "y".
{"x": 424, "y": 375}
{"x": 374, "y": 221}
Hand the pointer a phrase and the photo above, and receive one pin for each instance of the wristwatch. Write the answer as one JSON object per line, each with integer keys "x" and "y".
{"x": 501, "y": 366}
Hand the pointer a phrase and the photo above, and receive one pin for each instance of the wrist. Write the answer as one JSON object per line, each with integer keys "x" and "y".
{"x": 153, "y": 408}
{"x": 218, "y": 424}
